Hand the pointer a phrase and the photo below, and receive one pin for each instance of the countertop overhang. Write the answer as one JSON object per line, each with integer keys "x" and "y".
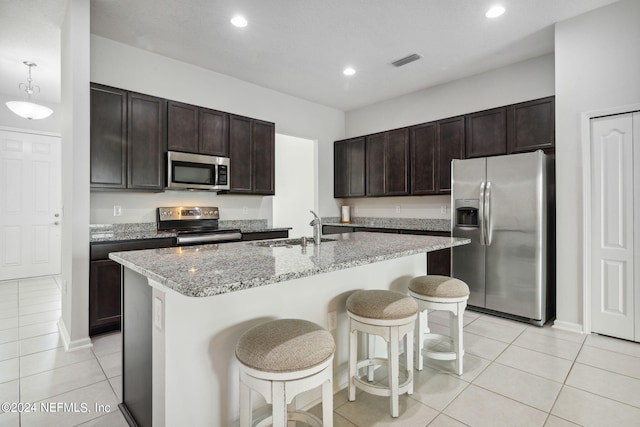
{"x": 208, "y": 270}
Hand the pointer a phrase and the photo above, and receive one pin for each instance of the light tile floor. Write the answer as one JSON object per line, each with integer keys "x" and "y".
{"x": 515, "y": 374}
{"x": 61, "y": 388}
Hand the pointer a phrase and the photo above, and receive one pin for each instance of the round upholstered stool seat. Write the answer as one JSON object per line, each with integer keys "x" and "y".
{"x": 282, "y": 358}
{"x": 434, "y": 292}
{"x": 439, "y": 287}
{"x": 390, "y": 315}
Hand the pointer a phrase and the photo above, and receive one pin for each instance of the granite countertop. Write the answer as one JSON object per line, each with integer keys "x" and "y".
{"x": 420, "y": 224}
{"x": 208, "y": 270}
{"x": 148, "y": 230}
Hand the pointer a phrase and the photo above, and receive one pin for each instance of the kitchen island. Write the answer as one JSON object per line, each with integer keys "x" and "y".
{"x": 185, "y": 308}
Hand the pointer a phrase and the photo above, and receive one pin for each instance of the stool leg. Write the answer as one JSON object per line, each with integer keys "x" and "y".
{"x": 394, "y": 380}
{"x": 279, "y": 404}
{"x": 371, "y": 351}
{"x": 409, "y": 353}
{"x": 458, "y": 337}
{"x": 327, "y": 403}
{"x": 245, "y": 405}
{"x": 353, "y": 361}
{"x": 420, "y": 325}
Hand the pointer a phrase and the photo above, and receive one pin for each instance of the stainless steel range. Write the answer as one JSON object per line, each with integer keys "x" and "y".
{"x": 195, "y": 225}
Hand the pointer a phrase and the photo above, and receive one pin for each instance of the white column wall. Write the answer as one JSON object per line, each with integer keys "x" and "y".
{"x": 597, "y": 59}
{"x": 74, "y": 324}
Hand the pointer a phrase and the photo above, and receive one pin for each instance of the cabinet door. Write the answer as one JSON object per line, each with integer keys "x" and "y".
{"x": 104, "y": 296}
{"x": 146, "y": 127}
{"x": 263, "y": 157}
{"x": 487, "y": 133}
{"x": 375, "y": 170}
{"x": 423, "y": 158}
{"x": 340, "y": 169}
{"x": 396, "y": 177}
{"x": 450, "y": 146}
{"x": 240, "y": 154}
{"x": 108, "y": 137}
{"x": 214, "y": 133}
{"x": 356, "y": 167}
{"x": 349, "y": 168}
{"x": 182, "y": 127}
{"x": 531, "y": 125}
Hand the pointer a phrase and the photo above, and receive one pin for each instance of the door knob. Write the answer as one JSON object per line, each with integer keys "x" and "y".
{"x": 56, "y": 223}
{"x": 56, "y": 215}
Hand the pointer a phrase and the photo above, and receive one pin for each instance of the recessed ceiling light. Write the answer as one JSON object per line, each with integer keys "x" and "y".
{"x": 239, "y": 21}
{"x": 494, "y": 12}
{"x": 349, "y": 71}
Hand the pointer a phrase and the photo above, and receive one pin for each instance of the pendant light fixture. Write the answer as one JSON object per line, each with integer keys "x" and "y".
{"x": 26, "y": 108}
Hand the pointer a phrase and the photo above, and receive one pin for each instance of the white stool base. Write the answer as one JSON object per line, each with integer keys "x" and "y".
{"x": 280, "y": 389}
{"x": 392, "y": 331}
{"x": 455, "y": 307}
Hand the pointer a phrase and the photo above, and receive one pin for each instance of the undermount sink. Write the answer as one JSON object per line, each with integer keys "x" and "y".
{"x": 289, "y": 243}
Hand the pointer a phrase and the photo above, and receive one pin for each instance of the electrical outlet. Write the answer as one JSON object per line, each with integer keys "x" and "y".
{"x": 398, "y": 209}
{"x": 443, "y": 209}
{"x": 117, "y": 210}
{"x": 245, "y": 210}
{"x": 332, "y": 318}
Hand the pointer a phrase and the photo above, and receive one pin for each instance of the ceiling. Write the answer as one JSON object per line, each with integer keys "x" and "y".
{"x": 298, "y": 47}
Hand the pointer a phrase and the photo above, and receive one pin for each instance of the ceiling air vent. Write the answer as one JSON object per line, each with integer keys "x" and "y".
{"x": 406, "y": 60}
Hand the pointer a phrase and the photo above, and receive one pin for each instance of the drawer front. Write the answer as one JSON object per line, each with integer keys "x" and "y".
{"x": 101, "y": 250}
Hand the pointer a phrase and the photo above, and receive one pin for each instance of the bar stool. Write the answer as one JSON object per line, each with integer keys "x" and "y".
{"x": 280, "y": 359}
{"x": 392, "y": 316}
{"x": 440, "y": 293}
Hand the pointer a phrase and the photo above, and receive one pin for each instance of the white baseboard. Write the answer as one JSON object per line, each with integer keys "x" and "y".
{"x": 568, "y": 326}
{"x": 66, "y": 339}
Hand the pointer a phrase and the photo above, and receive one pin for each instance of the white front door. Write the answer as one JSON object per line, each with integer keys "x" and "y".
{"x": 30, "y": 205}
{"x": 614, "y": 225}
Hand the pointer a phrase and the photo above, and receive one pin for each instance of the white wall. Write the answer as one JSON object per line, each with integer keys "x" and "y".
{"x": 523, "y": 81}
{"x": 597, "y": 66}
{"x": 296, "y": 182}
{"x": 126, "y": 67}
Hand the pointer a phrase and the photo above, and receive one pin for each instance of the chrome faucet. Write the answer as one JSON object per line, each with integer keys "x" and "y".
{"x": 316, "y": 223}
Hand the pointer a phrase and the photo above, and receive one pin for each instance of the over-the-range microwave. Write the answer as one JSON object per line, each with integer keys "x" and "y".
{"x": 197, "y": 171}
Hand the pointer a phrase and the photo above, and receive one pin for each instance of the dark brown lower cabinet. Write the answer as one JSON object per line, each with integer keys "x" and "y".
{"x": 105, "y": 296}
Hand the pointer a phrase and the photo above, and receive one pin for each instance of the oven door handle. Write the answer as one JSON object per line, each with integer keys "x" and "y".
{"x": 208, "y": 238}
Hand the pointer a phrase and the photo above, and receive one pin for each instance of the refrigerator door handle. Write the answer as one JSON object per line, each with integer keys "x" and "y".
{"x": 481, "y": 215}
{"x": 487, "y": 214}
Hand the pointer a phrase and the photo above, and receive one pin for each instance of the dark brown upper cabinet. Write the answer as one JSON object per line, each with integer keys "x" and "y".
{"x": 252, "y": 154}
{"x": 108, "y": 137}
{"x": 487, "y": 133}
{"x": 349, "y": 168}
{"x": 128, "y": 140}
{"x": 146, "y": 142}
{"x": 387, "y": 166}
{"x": 451, "y": 137}
{"x": 531, "y": 125}
{"x": 194, "y": 129}
{"x": 433, "y": 146}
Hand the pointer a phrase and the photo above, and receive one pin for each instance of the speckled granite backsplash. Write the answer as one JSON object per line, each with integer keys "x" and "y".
{"x": 397, "y": 223}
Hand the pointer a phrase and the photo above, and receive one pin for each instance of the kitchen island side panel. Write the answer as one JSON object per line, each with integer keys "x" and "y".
{"x": 199, "y": 373}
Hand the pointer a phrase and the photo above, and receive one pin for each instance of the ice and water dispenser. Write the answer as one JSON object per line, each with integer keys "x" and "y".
{"x": 467, "y": 212}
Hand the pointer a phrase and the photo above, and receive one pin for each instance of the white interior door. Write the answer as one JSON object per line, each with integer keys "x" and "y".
{"x": 613, "y": 222}
{"x": 30, "y": 205}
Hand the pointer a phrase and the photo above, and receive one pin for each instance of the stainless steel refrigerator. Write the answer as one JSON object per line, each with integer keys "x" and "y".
{"x": 505, "y": 205}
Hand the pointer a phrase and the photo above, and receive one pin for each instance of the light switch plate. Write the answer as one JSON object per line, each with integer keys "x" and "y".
{"x": 157, "y": 313}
